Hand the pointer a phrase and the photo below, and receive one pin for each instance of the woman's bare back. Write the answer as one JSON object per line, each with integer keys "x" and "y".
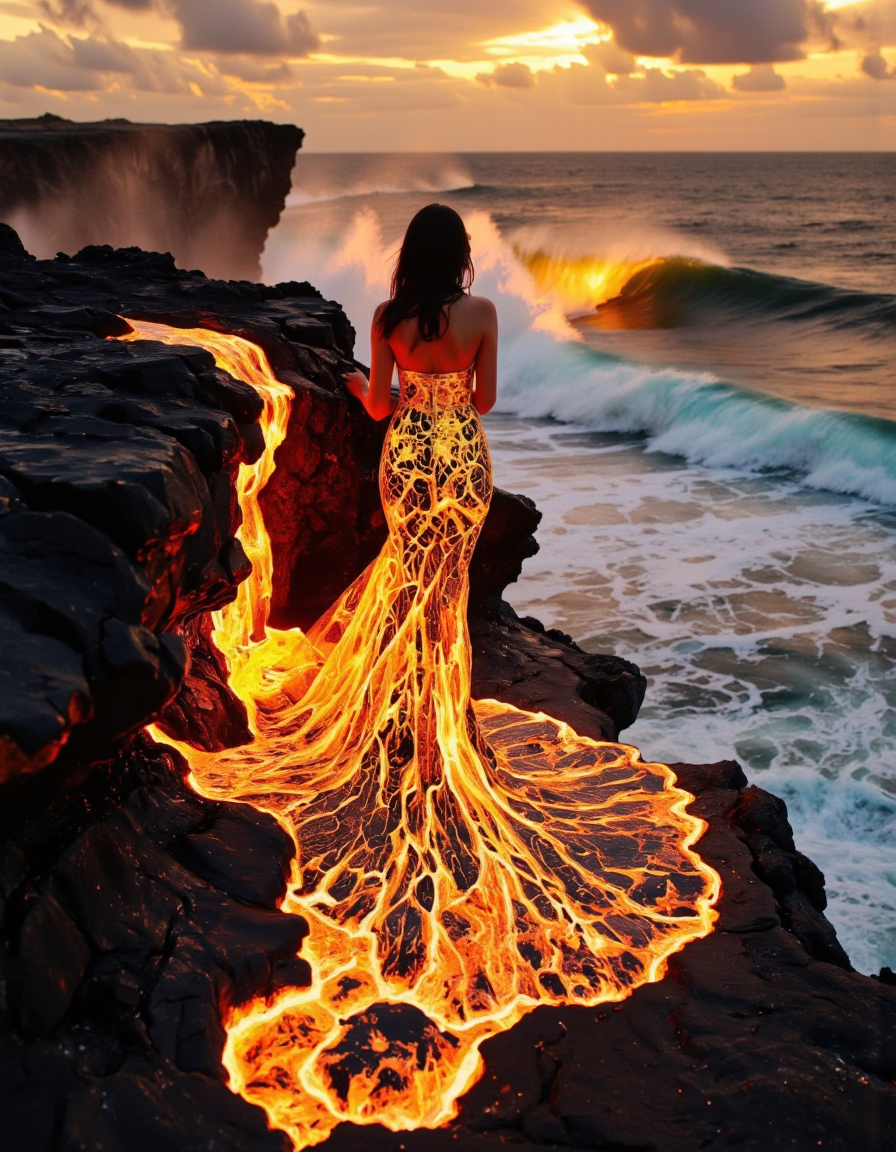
{"x": 470, "y": 338}
{"x": 470, "y": 320}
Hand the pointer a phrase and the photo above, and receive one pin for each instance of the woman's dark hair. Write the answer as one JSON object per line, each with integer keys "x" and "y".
{"x": 433, "y": 269}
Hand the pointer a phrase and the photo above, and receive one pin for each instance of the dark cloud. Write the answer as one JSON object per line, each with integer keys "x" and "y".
{"x": 85, "y": 13}
{"x": 244, "y": 27}
{"x": 760, "y": 78}
{"x": 711, "y": 31}
{"x": 875, "y": 66}
{"x": 102, "y": 55}
{"x": 515, "y": 75}
{"x": 71, "y": 64}
{"x": 44, "y": 59}
{"x": 74, "y": 12}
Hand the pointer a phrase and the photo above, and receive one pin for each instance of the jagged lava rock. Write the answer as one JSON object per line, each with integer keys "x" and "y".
{"x": 134, "y": 914}
{"x": 209, "y": 193}
{"x": 520, "y": 662}
{"x": 117, "y": 513}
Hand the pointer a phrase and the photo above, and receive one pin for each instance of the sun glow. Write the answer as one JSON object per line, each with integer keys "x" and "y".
{"x": 567, "y": 37}
{"x": 450, "y": 885}
{"x": 14, "y": 25}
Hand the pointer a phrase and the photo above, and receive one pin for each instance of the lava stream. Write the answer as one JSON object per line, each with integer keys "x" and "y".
{"x": 455, "y": 871}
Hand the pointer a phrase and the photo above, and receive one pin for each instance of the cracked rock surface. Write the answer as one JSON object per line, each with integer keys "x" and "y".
{"x": 134, "y": 914}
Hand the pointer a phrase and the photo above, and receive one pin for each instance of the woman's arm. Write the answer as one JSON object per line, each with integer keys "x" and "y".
{"x": 487, "y": 361}
{"x": 375, "y": 394}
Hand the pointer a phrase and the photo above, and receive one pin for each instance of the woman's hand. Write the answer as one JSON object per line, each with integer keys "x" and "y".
{"x": 374, "y": 394}
{"x": 357, "y": 384}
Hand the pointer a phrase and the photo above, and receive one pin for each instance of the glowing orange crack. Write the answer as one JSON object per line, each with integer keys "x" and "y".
{"x": 455, "y": 872}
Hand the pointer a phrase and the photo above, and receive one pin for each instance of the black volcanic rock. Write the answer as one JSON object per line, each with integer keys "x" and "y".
{"x": 518, "y": 661}
{"x": 796, "y": 881}
{"x": 506, "y": 541}
{"x": 117, "y": 513}
{"x": 134, "y": 914}
{"x": 205, "y": 711}
{"x": 209, "y": 193}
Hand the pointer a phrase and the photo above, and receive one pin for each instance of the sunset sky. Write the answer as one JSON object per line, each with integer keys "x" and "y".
{"x": 393, "y": 75}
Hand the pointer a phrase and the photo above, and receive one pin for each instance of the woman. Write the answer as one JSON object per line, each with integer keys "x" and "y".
{"x": 431, "y": 324}
{"x": 457, "y": 864}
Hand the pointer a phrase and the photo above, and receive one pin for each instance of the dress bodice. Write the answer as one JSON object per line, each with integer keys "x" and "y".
{"x": 428, "y": 390}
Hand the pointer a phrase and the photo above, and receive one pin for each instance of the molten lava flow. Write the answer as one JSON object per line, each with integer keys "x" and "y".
{"x": 456, "y": 870}
{"x": 578, "y": 283}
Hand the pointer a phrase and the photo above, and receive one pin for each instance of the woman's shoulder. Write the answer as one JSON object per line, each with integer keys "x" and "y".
{"x": 479, "y": 308}
{"x": 482, "y": 303}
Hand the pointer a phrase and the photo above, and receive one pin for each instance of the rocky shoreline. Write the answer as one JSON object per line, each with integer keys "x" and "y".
{"x": 135, "y": 912}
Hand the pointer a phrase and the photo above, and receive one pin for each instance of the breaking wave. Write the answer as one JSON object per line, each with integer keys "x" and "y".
{"x": 373, "y": 177}
{"x": 702, "y": 419}
{"x": 673, "y": 292}
{"x": 546, "y": 371}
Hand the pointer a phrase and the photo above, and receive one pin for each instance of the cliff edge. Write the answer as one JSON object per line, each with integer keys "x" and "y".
{"x": 208, "y": 193}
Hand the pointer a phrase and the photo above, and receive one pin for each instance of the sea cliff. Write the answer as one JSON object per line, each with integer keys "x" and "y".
{"x": 208, "y": 193}
{"x": 135, "y": 913}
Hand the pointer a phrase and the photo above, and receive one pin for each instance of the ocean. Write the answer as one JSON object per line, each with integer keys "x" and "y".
{"x": 697, "y": 387}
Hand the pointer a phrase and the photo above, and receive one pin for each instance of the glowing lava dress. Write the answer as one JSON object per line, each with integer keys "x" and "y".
{"x": 457, "y": 863}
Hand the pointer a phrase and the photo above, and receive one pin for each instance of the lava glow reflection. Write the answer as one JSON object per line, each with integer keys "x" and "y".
{"x": 580, "y": 283}
{"x": 543, "y": 868}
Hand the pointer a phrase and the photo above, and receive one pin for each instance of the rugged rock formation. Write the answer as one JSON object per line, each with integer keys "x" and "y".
{"x": 133, "y": 912}
{"x": 208, "y": 193}
{"x": 117, "y": 464}
{"x": 517, "y": 661}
